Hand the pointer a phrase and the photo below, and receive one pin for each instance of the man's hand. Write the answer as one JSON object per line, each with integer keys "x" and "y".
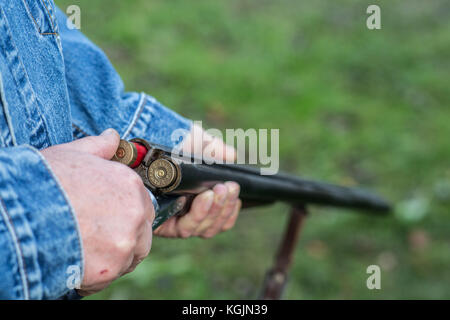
{"x": 214, "y": 210}
{"x": 112, "y": 206}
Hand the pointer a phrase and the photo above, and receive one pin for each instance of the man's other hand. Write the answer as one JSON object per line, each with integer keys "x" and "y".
{"x": 212, "y": 211}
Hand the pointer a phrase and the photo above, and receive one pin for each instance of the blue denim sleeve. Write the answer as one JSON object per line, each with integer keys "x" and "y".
{"x": 39, "y": 238}
{"x": 98, "y": 100}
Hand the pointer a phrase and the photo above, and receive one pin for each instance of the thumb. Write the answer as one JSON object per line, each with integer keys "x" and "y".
{"x": 105, "y": 145}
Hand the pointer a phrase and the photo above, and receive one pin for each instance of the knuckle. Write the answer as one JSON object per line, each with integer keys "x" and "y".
{"x": 137, "y": 216}
{"x": 212, "y": 218}
{"x": 134, "y": 179}
{"x": 147, "y": 252}
{"x": 208, "y": 235}
{"x": 184, "y": 233}
{"x": 229, "y": 226}
{"x": 118, "y": 168}
{"x": 144, "y": 255}
{"x": 125, "y": 245}
{"x": 127, "y": 176}
{"x": 122, "y": 174}
{"x": 90, "y": 140}
{"x": 131, "y": 269}
{"x": 229, "y": 208}
{"x": 152, "y": 214}
{"x": 197, "y": 216}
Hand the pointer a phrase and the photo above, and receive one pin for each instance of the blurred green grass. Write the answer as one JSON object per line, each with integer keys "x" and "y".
{"x": 354, "y": 106}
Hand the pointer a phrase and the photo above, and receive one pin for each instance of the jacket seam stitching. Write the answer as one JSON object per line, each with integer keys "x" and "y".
{"x": 136, "y": 115}
{"x": 35, "y": 22}
{"x": 29, "y": 107}
{"x": 7, "y": 114}
{"x": 83, "y": 132}
{"x": 50, "y": 17}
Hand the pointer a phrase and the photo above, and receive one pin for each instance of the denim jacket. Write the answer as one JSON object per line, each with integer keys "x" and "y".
{"x": 55, "y": 86}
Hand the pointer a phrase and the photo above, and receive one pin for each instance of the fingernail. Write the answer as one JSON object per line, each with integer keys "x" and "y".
{"x": 208, "y": 200}
{"x": 220, "y": 192}
{"x": 233, "y": 187}
{"x": 107, "y": 132}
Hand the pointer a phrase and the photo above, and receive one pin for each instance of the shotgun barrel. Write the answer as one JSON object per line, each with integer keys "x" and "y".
{"x": 176, "y": 179}
{"x": 271, "y": 188}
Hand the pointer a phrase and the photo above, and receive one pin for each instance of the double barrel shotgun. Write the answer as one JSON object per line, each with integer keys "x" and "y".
{"x": 175, "y": 179}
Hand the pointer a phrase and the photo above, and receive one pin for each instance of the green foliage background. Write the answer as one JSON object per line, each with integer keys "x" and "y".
{"x": 354, "y": 106}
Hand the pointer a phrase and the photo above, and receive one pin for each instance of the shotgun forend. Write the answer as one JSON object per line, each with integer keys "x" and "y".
{"x": 175, "y": 180}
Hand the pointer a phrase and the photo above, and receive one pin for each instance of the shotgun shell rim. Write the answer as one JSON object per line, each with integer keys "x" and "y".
{"x": 126, "y": 153}
{"x": 162, "y": 173}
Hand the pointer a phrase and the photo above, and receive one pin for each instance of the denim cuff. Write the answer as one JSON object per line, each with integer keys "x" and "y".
{"x": 157, "y": 124}
{"x": 41, "y": 246}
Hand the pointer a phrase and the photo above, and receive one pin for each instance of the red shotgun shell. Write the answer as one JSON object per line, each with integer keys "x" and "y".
{"x": 141, "y": 152}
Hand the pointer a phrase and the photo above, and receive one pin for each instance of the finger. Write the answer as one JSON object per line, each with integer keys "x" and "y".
{"x": 143, "y": 246}
{"x": 193, "y": 143}
{"x": 226, "y": 211}
{"x": 224, "y": 151}
{"x": 105, "y": 145}
{"x": 144, "y": 243}
{"x": 220, "y": 198}
{"x": 168, "y": 228}
{"x": 173, "y": 227}
{"x": 232, "y": 219}
{"x": 201, "y": 142}
{"x": 127, "y": 266}
{"x": 200, "y": 207}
